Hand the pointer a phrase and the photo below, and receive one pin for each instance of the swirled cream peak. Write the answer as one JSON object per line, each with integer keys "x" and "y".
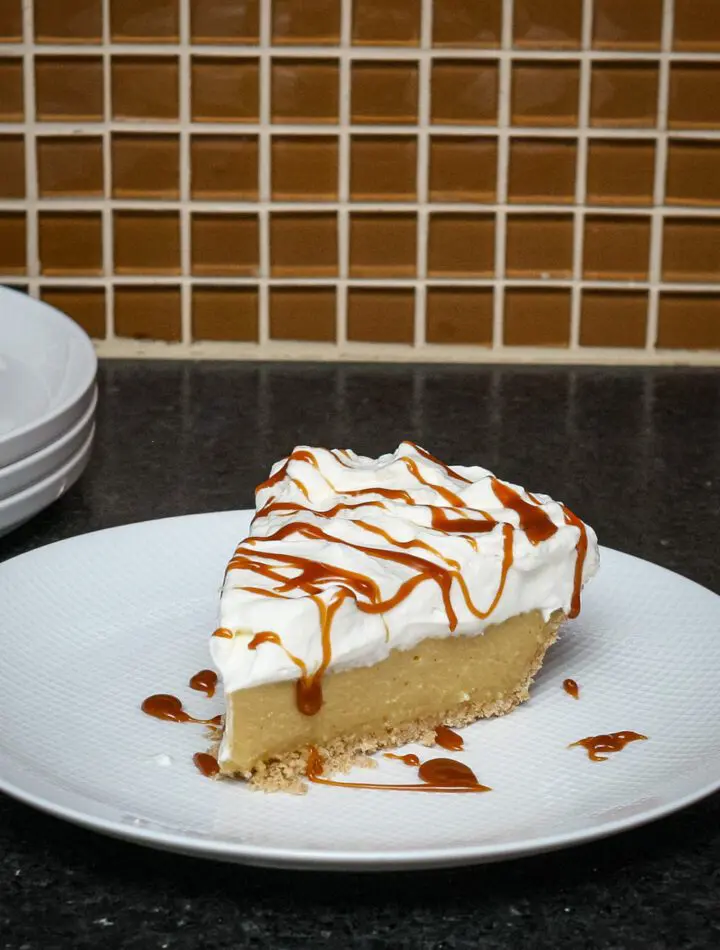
{"x": 351, "y": 557}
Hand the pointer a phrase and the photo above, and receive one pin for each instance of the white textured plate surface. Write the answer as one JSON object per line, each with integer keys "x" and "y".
{"x": 19, "y": 508}
{"x": 34, "y": 468}
{"x": 47, "y": 374}
{"x": 93, "y": 625}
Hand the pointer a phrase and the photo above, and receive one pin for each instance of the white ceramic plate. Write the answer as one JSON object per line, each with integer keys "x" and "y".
{"x": 19, "y": 508}
{"x": 33, "y": 468}
{"x": 47, "y": 375}
{"x": 92, "y": 626}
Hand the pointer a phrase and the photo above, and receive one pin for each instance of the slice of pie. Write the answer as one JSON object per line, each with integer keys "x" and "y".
{"x": 375, "y": 599}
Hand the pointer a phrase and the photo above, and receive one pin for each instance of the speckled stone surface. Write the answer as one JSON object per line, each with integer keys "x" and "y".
{"x": 636, "y": 452}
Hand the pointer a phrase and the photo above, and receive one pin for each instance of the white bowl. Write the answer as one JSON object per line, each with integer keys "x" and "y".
{"x": 19, "y": 508}
{"x": 33, "y": 468}
{"x": 47, "y": 375}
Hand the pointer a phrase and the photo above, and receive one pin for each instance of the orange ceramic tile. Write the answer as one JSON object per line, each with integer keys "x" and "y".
{"x": 145, "y": 87}
{"x": 12, "y": 243}
{"x": 306, "y": 22}
{"x": 225, "y": 313}
{"x": 689, "y": 322}
{"x": 545, "y": 93}
{"x": 620, "y": 171}
{"x": 384, "y": 92}
{"x": 70, "y": 166}
{"x": 224, "y": 166}
{"x": 305, "y": 90}
{"x": 624, "y": 94}
{"x": 539, "y": 245}
{"x": 145, "y": 165}
{"x": 697, "y": 25}
{"x": 459, "y": 315}
{"x": 69, "y": 89}
{"x": 302, "y": 313}
{"x": 382, "y": 245}
{"x": 225, "y": 245}
{"x": 613, "y": 318}
{"x": 303, "y": 245}
{"x": 144, "y": 21}
{"x": 462, "y": 168}
{"x": 304, "y": 167}
{"x": 148, "y": 313}
{"x": 377, "y": 23}
{"x": 542, "y": 171}
{"x": 12, "y": 163}
{"x": 86, "y": 305}
{"x": 547, "y": 24}
{"x": 618, "y": 24}
{"x": 383, "y": 167}
{"x": 11, "y": 90}
{"x": 616, "y": 247}
{"x": 464, "y": 92}
{"x": 11, "y": 26}
{"x": 467, "y": 23}
{"x": 691, "y": 250}
{"x": 225, "y": 21}
{"x": 380, "y": 315}
{"x": 224, "y": 89}
{"x": 694, "y": 96}
{"x": 70, "y": 243}
{"x": 71, "y": 21}
{"x": 536, "y": 316}
{"x": 693, "y": 173}
{"x": 146, "y": 242}
{"x": 461, "y": 245}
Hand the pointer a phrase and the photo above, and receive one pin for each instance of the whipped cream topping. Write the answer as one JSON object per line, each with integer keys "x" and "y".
{"x": 351, "y": 557}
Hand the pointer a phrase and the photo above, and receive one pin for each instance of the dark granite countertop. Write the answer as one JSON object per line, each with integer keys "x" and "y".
{"x": 636, "y": 451}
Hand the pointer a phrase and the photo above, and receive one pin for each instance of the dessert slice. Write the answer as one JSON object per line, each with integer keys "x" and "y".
{"x": 375, "y": 599}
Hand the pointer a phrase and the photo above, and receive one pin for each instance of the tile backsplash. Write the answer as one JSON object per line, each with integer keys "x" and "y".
{"x": 367, "y": 179}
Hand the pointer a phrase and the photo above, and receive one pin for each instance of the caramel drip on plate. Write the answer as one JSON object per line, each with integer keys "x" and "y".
{"x": 409, "y": 759}
{"x": 312, "y": 578}
{"x": 162, "y": 706}
{"x": 204, "y": 682}
{"x": 206, "y": 763}
{"x": 437, "y": 775}
{"x": 613, "y": 742}
{"x": 571, "y": 688}
{"x": 581, "y": 551}
{"x": 447, "y": 739}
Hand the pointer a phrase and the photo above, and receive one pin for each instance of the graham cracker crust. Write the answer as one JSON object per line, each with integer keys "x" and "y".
{"x": 288, "y": 773}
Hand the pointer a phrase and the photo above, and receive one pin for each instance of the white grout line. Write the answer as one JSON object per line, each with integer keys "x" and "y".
{"x": 108, "y": 237}
{"x": 344, "y": 171}
{"x": 581, "y": 176}
{"x": 396, "y": 353}
{"x": 184, "y": 80}
{"x": 661, "y": 151}
{"x": 422, "y": 174}
{"x": 143, "y": 279}
{"x": 503, "y": 164}
{"x": 31, "y": 178}
{"x": 264, "y": 171}
{"x": 249, "y": 51}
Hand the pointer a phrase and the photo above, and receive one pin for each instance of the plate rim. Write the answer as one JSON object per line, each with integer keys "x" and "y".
{"x": 335, "y": 860}
{"x": 44, "y": 312}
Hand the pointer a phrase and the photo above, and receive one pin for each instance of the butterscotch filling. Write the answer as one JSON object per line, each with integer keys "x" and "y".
{"x": 454, "y": 680}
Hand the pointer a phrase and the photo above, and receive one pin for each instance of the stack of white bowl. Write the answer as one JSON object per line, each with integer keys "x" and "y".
{"x": 47, "y": 406}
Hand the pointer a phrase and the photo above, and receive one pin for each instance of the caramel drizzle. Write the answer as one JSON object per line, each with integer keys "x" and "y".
{"x": 571, "y": 688}
{"x": 437, "y": 775}
{"x": 612, "y": 742}
{"x": 206, "y": 763}
{"x": 447, "y": 739}
{"x": 204, "y": 682}
{"x": 410, "y": 759}
{"x": 169, "y": 708}
{"x": 313, "y": 576}
{"x": 223, "y": 633}
{"x": 580, "y": 554}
